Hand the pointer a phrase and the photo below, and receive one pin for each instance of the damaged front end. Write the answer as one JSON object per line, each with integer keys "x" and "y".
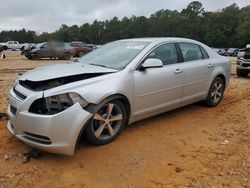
{"x": 55, "y": 82}
{"x": 55, "y": 104}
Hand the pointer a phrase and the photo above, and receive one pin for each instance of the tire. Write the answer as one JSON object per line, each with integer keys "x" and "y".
{"x": 27, "y": 54}
{"x": 101, "y": 130}
{"x": 241, "y": 73}
{"x": 216, "y": 92}
{"x": 36, "y": 56}
{"x": 66, "y": 56}
{"x": 81, "y": 54}
{"x": 5, "y": 48}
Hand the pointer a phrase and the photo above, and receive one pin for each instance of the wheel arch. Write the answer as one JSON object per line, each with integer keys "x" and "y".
{"x": 218, "y": 72}
{"x": 91, "y": 109}
{"x": 222, "y": 77}
{"x": 67, "y": 53}
{"x": 120, "y": 97}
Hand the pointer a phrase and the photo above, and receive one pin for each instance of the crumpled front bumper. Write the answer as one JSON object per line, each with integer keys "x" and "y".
{"x": 52, "y": 133}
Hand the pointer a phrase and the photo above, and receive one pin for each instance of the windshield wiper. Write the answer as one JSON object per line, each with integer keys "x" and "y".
{"x": 98, "y": 65}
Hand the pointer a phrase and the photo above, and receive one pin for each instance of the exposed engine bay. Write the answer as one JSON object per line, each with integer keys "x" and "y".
{"x": 55, "y": 82}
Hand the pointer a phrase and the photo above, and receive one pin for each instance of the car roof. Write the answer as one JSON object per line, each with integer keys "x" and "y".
{"x": 159, "y": 39}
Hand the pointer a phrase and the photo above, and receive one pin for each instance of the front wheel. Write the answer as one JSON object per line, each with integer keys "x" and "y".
{"x": 241, "y": 73}
{"x": 106, "y": 124}
{"x": 36, "y": 56}
{"x": 216, "y": 92}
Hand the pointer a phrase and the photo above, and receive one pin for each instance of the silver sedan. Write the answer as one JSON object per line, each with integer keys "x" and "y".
{"x": 51, "y": 107}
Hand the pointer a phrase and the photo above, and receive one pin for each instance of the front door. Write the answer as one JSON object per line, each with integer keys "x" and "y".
{"x": 159, "y": 88}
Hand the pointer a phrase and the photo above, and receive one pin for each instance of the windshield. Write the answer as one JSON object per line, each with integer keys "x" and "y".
{"x": 40, "y": 45}
{"x": 115, "y": 55}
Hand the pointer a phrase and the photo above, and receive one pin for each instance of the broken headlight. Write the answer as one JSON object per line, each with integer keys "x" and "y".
{"x": 57, "y": 103}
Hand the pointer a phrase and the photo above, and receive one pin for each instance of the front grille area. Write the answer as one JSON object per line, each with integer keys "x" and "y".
{"x": 37, "y": 138}
{"x": 245, "y": 65}
{"x": 20, "y": 95}
{"x": 13, "y": 110}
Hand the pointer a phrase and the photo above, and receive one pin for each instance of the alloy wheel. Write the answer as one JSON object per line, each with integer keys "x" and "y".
{"x": 217, "y": 92}
{"x": 107, "y": 121}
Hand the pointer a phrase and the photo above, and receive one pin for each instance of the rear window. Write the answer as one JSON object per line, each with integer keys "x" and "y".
{"x": 204, "y": 53}
{"x": 190, "y": 52}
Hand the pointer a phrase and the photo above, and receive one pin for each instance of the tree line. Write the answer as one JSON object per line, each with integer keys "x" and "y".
{"x": 228, "y": 27}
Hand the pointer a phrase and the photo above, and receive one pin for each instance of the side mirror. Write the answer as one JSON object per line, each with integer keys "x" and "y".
{"x": 151, "y": 63}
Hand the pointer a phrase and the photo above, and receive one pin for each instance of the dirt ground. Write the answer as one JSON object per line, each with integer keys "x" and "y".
{"x": 194, "y": 146}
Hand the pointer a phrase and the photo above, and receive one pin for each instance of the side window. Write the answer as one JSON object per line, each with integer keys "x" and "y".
{"x": 44, "y": 46}
{"x": 166, "y": 53}
{"x": 190, "y": 51}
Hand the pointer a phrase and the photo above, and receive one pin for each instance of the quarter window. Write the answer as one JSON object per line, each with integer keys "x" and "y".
{"x": 166, "y": 53}
{"x": 192, "y": 52}
{"x": 204, "y": 53}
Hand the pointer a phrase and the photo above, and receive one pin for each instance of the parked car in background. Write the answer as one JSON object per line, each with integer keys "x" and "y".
{"x": 243, "y": 63}
{"x": 52, "y": 50}
{"x": 222, "y": 52}
{"x": 80, "y": 48}
{"x": 120, "y": 83}
{"x": 92, "y": 46}
{"x": 241, "y": 53}
{"x": 13, "y": 45}
{"x": 26, "y": 51}
{"x": 233, "y": 52}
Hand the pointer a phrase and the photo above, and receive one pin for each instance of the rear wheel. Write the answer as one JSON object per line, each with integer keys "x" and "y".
{"x": 241, "y": 73}
{"x": 66, "y": 56}
{"x": 81, "y": 54}
{"x": 216, "y": 92}
{"x": 5, "y": 48}
{"x": 106, "y": 124}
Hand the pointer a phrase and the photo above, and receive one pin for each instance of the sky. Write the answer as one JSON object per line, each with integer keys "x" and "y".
{"x": 49, "y": 15}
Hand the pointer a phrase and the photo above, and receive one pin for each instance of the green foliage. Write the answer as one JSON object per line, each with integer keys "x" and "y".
{"x": 229, "y": 27}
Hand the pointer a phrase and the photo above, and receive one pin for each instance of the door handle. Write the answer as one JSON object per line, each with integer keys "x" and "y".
{"x": 178, "y": 71}
{"x": 210, "y": 65}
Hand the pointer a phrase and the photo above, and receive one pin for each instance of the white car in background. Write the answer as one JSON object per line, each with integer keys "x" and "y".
{"x": 14, "y": 45}
{"x": 120, "y": 83}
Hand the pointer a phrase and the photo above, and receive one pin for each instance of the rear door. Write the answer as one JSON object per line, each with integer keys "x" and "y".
{"x": 197, "y": 68}
{"x": 15, "y": 45}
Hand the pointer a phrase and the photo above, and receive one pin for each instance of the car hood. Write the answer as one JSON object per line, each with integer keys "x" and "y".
{"x": 63, "y": 70}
